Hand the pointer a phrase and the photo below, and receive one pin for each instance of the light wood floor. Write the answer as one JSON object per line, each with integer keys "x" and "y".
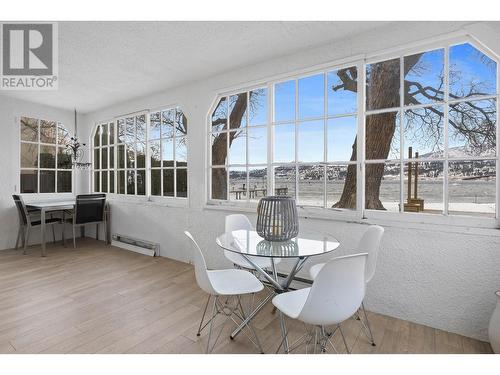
{"x": 99, "y": 299}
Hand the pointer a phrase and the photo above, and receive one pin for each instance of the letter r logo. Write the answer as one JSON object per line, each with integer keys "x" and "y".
{"x": 27, "y": 49}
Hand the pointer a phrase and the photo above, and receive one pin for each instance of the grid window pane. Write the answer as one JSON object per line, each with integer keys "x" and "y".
{"x": 168, "y": 182}
{"x": 423, "y": 187}
{"x": 111, "y": 181}
{"x": 97, "y": 136}
{"x": 155, "y": 125}
{"x": 382, "y": 85}
{"x": 311, "y": 185}
{"x": 111, "y": 133}
{"x": 141, "y": 154}
{"x": 47, "y": 156}
{"x": 341, "y": 135}
{"x": 342, "y": 88}
{"x": 130, "y": 182}
{"x": 257, "y": 183}
{"x": 64, "y": 182}
{"x": 104, "y": 181}
{"x": 154, "y": 152}
{"x": 238, "y": 183}
{"x": 63, "y": 137}
{"x": 156, "y": 182}
{"x": 97, "y": 158}
{"x": 258, "y": 107}
{"x": 237, "y": 147}
{"x": 29, "y": 129}
{"x": 424, "y": 78}
{"x": 111, "y": 157}
{"x": 284, "y": 101}
{"x": 104, "y": 157}
{"x": 181, "y": 182}
{"x": 312, "y": 96}
{"x": 219, "y": 148}
{"x": 284, "y": 180}
{"x": 424, "y": 132}
{"x": 141, "y": 182}
{"x": 48, "y": 131}
{"x": 167, "y": 123}
{"x": 29, "y": 181}
{"x": 382, "y": 136}
{"x": 238, "y": 111}
{"x": 257, "y": 145}
{"x": 47, "y": 181}
{"x": 219, "y": 183}
{"x": 284, "y": 143}
{"x": 140, "y": 127}
{"x": 167, "y": 152}
{"x": 63, "y": 158}
{"x": 219, "y": 116}
{"x": 121, "y": 156}
{"x": 181, "y": 151}
{"x": 121, "y": 182}
{"x": 29, "y": 155}
{"x": 341, "y": 190}
{"x": 311, "y": 145}
{"x": 382, "y": 187}
{"x": 97, "y": 181}
{"x": 104, "y": 134}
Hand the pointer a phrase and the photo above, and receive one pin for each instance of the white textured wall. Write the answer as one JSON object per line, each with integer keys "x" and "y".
{"x": 439, "y": 276}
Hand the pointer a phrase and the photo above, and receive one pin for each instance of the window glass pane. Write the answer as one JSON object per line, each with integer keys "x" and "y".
{"x": 104, "y": 134}
{"x": 312, "y": 96}
{"x": 97, "y": 136}
{"x": 311, "y": 185}
{"x": 64, "y": 182}
{"x": 238, "y": 183}
{"x": 311, "y": 141}
{"x": 472, "y": 187}
{"x": 48, "y": 131}
{"x": 121, "y": 182}
{"x": 141, "y": 154}
{"x": 219, "y": 116}
{"x": 382, "y": 187}
{"x": 129, "y": 130}
{"x": 167, "y": 123}
{"x": 257, "y": 146}
{"x": 104, "y": 182}
{"x": 131, "y": 182}
{"x": 167, "y": 152}
{"x": 111, "y": 181}
{"x": 284, "y": 180}
{"x": 257, "y": 183}
{"x": 63, "y": 158}
{"x": 471, "y": 72}
{"x": 424, "y": 193}
{"x": 111, "y": 133}
{"x": 29, "y": 155}
{"x": 155, "y": 125}
{"x": 121, "y": 156}
{"x": 63, "y": 136}
{"x": 472, "y": 129}
{"x": 284, "y": 101}
{"x": 219, "y": 183}
{"x": 97, "y": 158}
{"x": 47, "y": 181}
{"x": 284, "y": 143}
{"x": 121, "y": 131}
{"x": 219, "y": 148}
{"x": 181, "y": 182}
{"x": 424, "y": 132}
{"x": 342, "y": 88}
{"x": 154, "y": 149}
{"x": 130, "y": 156}
{"x": 168, "y": 182}
{"x": 238, "y": 111}
{"x": 341, "y": 186}
{"x": 47, "y": 157}
{"x": 111, "y": 157}
{"x": 382, "y": 85}
{"x": 424, "y": 78}
{"x": 29, "y": 129}
{"x": 180, "y": 123}
{"x": 382, "y": 136}
{"x": 140, "y": 125}
{"x": 156, "y": 182}
{"x": 29, "y": 181}
{"x": 341, "y": 135}
{"x": 237, "y": 147}
{"x": 104, "y": 157}
{"x": 141, "y": 182}
{"x": 258, "y": 107}
{"x": 97, "y": 181}
{"x": 180, "y": 152}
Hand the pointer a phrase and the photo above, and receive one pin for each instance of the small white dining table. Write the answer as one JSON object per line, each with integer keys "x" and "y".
{"x": 49, "y": 206}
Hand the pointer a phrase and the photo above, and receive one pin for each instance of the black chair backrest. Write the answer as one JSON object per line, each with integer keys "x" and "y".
{"x": 89, "y": 208}
{"x": 21, "y": 209}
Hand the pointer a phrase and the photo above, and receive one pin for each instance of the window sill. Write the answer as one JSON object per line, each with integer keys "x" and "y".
{"x": 148, "y": 201}
{"x": 428, "y": 222}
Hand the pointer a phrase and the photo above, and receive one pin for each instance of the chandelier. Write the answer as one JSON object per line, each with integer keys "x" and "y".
{"x": 76, "y": 151}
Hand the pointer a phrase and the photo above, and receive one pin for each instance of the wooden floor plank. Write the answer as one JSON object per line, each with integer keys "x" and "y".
{"x": 101, "y": 299}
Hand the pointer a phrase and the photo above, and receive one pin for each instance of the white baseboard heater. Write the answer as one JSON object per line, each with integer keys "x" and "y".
{"x": 133, "y": 244}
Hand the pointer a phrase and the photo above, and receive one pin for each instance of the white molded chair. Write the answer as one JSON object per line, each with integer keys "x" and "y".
{"x": 227, "y": 283}
{"x": 240, "y": 222}
{"x": 369, "y": 243}
{"x": 335, "y": 295}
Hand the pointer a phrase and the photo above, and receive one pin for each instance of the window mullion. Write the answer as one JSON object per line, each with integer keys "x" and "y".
{"x": 325, "y": 135}
{"x": 270, "y": 143}
{"x": 360, "y": 150}
{"x": 445, "y": 125}
{"x": 297, "y": 141}
{"x": 401, "y": 133}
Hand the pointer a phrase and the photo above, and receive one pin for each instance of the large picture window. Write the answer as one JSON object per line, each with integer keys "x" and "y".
{"x": 429, "y": 121}
{"x": 142, "y": 154}
{"x": 44, "y": 160}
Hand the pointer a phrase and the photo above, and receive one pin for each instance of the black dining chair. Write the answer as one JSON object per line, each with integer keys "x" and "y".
{"x": 28, "y": 221}
{"x": 88, "y": 209}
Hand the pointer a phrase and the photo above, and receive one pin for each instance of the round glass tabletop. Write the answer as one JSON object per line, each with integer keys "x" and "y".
{"x": 249, "y": 242}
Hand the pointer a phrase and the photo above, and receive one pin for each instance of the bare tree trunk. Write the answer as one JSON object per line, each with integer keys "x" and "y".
{"x": 219, "y": 150}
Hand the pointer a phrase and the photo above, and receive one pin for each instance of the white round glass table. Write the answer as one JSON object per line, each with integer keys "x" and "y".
{"x": 249, "y": 244}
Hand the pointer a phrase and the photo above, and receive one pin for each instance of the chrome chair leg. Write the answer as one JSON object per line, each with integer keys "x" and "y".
{"x": 74, "y": 237}
{"x": 250, "y": 325}
{"x": 214, "y": 313}
{"x": 203, "y": 317}
{"x": 367, "y": 324}
{"x": 343, "y": 339}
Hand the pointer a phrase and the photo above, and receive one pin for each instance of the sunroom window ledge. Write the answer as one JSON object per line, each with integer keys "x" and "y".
{"x": 152, "y": 201}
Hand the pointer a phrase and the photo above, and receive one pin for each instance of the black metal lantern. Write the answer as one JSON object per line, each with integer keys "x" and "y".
{"x": 277, "y": 218}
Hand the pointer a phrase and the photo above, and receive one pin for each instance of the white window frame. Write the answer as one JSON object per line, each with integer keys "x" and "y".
{"x": 38, "y": 143}
{"x": 165, "y": 200}
{"x": 442, "y": 42}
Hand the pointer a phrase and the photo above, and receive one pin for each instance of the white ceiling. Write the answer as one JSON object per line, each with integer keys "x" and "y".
{"x": 103, "y": 63}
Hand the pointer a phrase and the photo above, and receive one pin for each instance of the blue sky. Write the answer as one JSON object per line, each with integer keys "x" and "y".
{"x": 474, "y": 68}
